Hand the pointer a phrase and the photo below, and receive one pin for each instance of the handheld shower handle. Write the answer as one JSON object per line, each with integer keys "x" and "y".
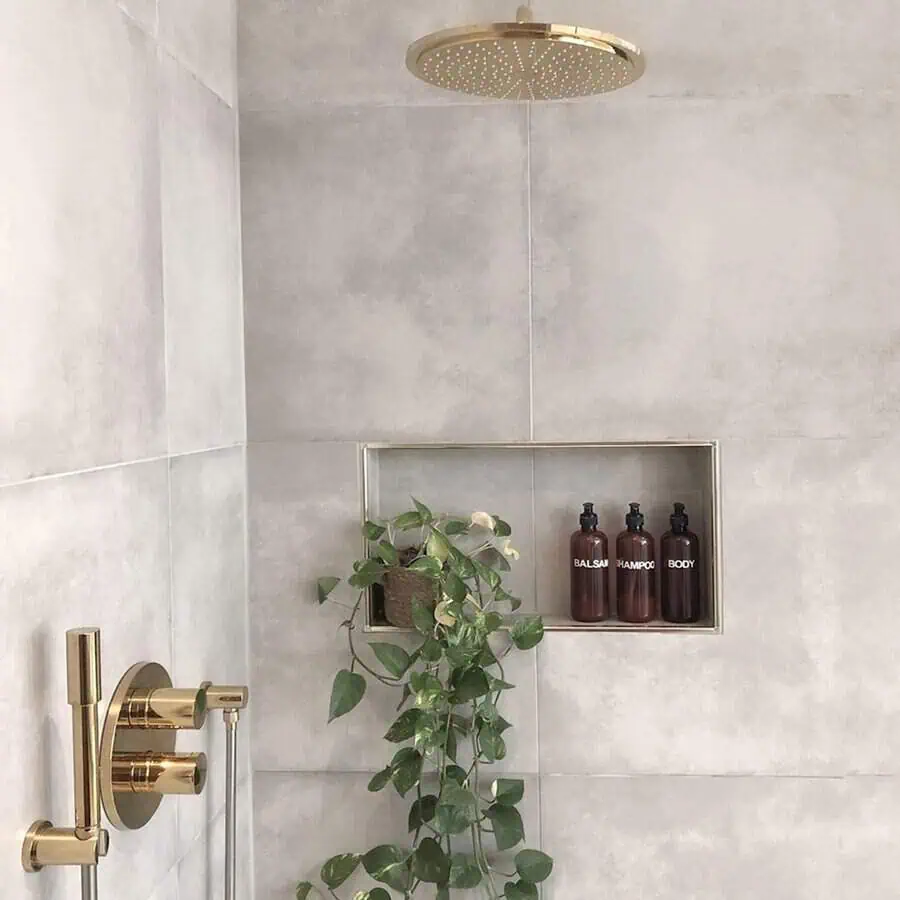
{"x": 84, "y": 693}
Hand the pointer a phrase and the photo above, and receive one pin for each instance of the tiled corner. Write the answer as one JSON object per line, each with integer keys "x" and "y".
{"x": 201, "y": 264}
{"x": 301, "y": 820}
{"x": 209, "y": 607}
{"x": 202, "y": 34}
{"x": 711, "y": 838}
{"x": 293, "y": 54}
{"x": 386, "y": 274}
{"x": 79, "y": 550}
{"x": 81, "y": 371}
{"x": 731, "y": 320}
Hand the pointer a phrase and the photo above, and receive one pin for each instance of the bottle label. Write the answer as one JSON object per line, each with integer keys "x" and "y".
{"x": 638, "y": 565}
{"x": 591, "y": 563}
{"x": 681, "y": 563}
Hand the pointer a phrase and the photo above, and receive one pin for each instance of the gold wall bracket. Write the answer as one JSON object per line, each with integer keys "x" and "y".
{"x": 87, "y": 842}
{"x": 138, "y": 762}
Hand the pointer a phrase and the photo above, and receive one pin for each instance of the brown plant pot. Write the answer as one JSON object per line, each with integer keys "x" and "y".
{"x": 401, "y": 587}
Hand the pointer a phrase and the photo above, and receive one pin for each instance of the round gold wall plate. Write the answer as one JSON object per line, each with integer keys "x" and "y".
{"x": 131, "y": 810}
{"x": 525, "y": 61}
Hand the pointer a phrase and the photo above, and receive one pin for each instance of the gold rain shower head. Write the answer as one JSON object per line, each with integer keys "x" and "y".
{"x": 525, "y": 60}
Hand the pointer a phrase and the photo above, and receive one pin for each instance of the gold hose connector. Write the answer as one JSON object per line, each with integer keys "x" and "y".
{"x": 83, "y": 845}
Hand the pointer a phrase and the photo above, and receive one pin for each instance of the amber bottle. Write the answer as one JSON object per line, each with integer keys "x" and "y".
{"x": 680, "y": 571}
{"x": 635, "y": 570}
{"x": 590, "y": 570}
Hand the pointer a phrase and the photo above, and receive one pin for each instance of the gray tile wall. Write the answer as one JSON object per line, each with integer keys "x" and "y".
{"x": 122, "y": 432}
{"x": 708, "y": 255}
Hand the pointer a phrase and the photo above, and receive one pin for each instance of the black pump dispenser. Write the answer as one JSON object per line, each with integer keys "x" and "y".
{"x": 679, "y": 519}
{"x": 588, "y": 518}
{"x": 634, "y": 520}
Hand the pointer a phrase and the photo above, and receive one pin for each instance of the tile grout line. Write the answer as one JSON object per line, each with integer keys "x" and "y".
{"x": 530, "y": 240}
{"x": 122, "y": 464}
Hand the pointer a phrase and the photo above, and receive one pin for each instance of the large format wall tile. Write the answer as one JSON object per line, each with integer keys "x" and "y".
{"x": 202, "y": 34}
{"x": 710, "y": 270}
{"x": 292, "y": 54}
{"x": 386, "y": 263}
{"x": 718, "y": 838}
{"x": 201, "y": 264}
{"x": 303, "y": 819}
{"x": 797, "y": 684}
{"x": 209, "y": 606}
{"x": 81, "y": 356}
{"x": 79, "y": 550}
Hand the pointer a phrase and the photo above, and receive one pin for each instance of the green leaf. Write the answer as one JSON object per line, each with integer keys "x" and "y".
{"x": 373, "y": 531}
{"x": 388, "y": 552}
{"x": 381, "y": 780}
{"x": 378, "y": 894}
{"x": 456, "y": 795}
{"x": 533, "y": 866}
{"x": 493, "y": 747}
{"x": 487, "y": 711}
{"x": 394, "y": 659}
{"x": 422, "y": 811}
{"x": 501, "y": 528}
{"x": 443, "y": 893}
{"x": 368, "y": 574}
{"x": 408, "y": 521}
{"x": 389, "y": 865}
{"x": 455, "y": 588}
{"x": 426, "y": 565}
{"x": 429, "y": 863}
{"x": 426, "y": 733}
{"x": 450, "y": 744}
{"x": 423, "y": 618}
{"x": 508, "y": 791}
{"x": 338, "y": 869}
{"x": 455, "y": 773}
{"x": 508, "y": 827}
{"x": 527, "y": 632}
{"x": 346, "y": 692}
{"x": 437, "y": 546}
{"x": 498, "y": 684}
{"x": 452, "y": 819}
{"x": 407, "y": 769}
{"x": 304, "y": 889}
{"x": 423, "y": 511}
{"x": 455, "y": 526}
{"x": 423, "y": 681}
{"x": 461, "y": 564}
{"x": 471, "y": 684}
{"x": 404, "y": 726}
{"x": 520, "y": 890}
{"x": 493, "y": 621}
{"x": 501, "y": 725}
{"x": 431, "y": 650}
{"x": 464, "y": 872}
{"x": 324, "y": 586}
{"x": 487, "y": 575}
{"x": 495, "y": 559}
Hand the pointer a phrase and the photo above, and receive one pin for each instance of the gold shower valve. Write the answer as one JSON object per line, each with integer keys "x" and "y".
{"x": 164, "y": 708}
{"x": 159, "y": 773}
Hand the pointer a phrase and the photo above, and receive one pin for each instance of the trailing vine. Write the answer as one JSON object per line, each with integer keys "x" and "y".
{"x": 449, "y": 729}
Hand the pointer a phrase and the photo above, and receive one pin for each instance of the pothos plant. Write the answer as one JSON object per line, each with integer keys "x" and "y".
{"x": 449, "y": 729}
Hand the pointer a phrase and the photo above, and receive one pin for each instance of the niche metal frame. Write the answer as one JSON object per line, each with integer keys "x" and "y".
{"x": 713, "y": 515}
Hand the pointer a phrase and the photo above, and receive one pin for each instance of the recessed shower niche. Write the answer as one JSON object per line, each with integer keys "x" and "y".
{"x": 539, "y": 488}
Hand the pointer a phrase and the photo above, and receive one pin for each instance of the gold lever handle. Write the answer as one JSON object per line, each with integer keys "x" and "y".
{"x": 225, "y": 696}
{"x": 164, "y": 708}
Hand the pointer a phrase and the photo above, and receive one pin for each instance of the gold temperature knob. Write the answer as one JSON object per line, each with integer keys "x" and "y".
{"x": 159, "y": 773}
